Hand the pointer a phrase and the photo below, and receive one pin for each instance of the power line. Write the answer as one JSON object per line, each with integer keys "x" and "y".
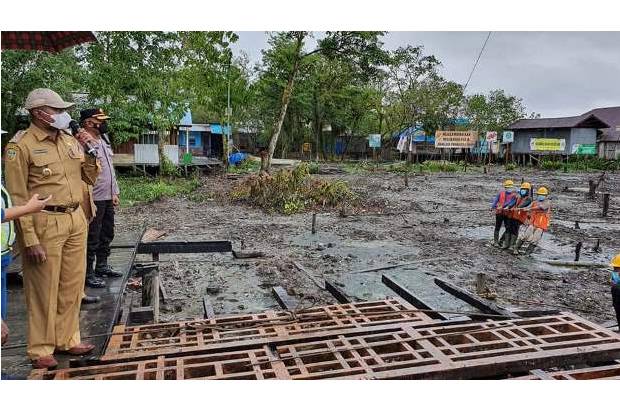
{"x": 477, "y": 60}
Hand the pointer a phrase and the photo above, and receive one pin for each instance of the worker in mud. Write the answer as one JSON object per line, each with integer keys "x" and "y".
{"x": 501, "y": 203}
{"x": 615, "y": 287}
{"x": 46, "y": 160}
{"x": 517, "y": 215}
{"x": 539, "y": 215}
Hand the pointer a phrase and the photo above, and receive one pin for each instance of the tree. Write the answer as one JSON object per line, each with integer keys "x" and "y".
{"x": 362, "y": 49}
{"x": 148, "y": 80}
{"x": 494, "y": 111}
{"x": 23, "y": 71}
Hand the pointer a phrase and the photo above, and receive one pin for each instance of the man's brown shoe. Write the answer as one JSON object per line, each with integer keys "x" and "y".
{"x": 45, "y": 362}
{"x": 79, "y": 350}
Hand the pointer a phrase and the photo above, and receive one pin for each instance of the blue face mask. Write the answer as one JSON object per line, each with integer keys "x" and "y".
{"x": 523, "y": 192}
{"x": 615, "y": 277}
{"x": 541, "y": 198}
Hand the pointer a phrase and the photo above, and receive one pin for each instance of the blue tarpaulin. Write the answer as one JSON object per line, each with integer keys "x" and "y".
{"x": 236, "y": 158}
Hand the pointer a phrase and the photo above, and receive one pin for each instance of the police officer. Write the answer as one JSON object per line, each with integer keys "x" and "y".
{"x": 48, "y": 161}
{"x": 105, "y": 194}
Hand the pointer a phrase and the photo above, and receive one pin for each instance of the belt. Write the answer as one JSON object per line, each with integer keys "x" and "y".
{"x": 62, "y": 208}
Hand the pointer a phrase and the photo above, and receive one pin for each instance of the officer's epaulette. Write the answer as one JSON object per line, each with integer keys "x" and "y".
{"x": 17, "y": 137}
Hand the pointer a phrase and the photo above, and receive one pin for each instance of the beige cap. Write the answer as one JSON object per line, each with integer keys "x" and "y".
{"x": 46, "y": 97}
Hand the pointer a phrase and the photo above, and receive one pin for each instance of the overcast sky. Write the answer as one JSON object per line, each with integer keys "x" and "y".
{"x": 556, "y": 73}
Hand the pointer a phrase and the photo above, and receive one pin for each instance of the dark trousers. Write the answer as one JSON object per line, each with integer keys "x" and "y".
{"x": 513, "y": 227}
{"x": 101, "y": 233}
{"x": 500, "y": 220}
{"x": 615, "y": 295}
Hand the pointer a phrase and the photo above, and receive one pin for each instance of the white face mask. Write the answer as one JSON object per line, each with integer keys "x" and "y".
{"x": 61, "y": 120}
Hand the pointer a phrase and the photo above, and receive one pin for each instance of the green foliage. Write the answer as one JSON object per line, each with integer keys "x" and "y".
{"x": 136, "y": 190}
{"x": 580, "y": 164}
{"x": 493, "y": 112}
{"x": 23, "y": 71}
{"x": 244, "y": 167}
{"x": 167, "y": 168}
{"x": 510, "y": 166}
{"x": 314, "y": 168}
{"x": 291, "y": 191}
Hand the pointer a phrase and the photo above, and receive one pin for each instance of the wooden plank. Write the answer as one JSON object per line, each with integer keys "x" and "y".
{"x": 208, "y": 308}
{"x": 472, "y": 299}
{"x": 308, "y": 274}
{"x": 409, "y": 297}
{"x": 337, "y": 293}
{"x": 286, "y": 301}
{"x": 535, "y": 313}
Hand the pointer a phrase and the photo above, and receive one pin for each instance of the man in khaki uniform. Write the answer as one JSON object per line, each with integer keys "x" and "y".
{"x": 44, "y": 159}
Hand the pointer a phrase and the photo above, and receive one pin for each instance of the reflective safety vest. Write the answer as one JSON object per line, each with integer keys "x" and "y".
{"x": 500, "y": 203}
{"x": 539, "y": 218}
{"x": 8, "y": 228}
{"x": 520, "y": 216}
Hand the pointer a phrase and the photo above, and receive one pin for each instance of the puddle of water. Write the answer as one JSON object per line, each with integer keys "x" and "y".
{"x": 368, "y": 286}
{"x": 364, "y": 253}
{"x": 604, "y": 226}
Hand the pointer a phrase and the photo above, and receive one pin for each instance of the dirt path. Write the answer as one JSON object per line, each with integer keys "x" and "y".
{"x": 390, "y": 227}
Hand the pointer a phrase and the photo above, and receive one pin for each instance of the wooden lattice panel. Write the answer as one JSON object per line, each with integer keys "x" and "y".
{"x": 611, "y": 372}
{"x": 178, "y": 337}
{"x": 229, "y": 365}
{"x": 471, "y": 350}
{"x": 462, "y": 351}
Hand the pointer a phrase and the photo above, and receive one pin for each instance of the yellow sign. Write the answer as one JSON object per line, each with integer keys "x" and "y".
{"x": 547, "y": 144}
{"x": 455, "y": 139}
{"x": 306, "y": 147}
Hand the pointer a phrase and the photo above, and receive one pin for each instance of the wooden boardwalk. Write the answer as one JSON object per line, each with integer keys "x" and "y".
{"x": 95, "y": 319}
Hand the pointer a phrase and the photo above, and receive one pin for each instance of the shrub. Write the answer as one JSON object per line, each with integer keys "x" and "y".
{"x": 291, "y": 191}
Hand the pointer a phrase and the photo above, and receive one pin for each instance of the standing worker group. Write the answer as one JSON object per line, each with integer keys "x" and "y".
{"x": 44, "y": 159}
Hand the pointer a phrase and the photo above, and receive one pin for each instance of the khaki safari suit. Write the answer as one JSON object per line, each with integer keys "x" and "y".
{"x": 35, "y": 163}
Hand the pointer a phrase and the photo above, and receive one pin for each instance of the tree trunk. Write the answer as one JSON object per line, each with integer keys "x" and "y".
{"x": 286, "y": 98}
{"x": 160, "y": 151}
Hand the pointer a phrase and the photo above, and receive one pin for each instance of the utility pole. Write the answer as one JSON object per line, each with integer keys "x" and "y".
{"x": 228, "y": 112}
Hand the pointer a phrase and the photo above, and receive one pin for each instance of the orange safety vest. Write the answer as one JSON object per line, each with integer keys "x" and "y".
{"x": 540, "y": 218}
{"x": 520, "y": 216}
{"x": 500, "y": 203}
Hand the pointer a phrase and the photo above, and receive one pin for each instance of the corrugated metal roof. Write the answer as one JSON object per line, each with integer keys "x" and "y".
{"x": 610, "y": 116}
{"x": 583, "y": 121}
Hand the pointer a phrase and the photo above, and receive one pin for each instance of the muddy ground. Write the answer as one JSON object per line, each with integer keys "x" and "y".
{"x": 393, "y": 224}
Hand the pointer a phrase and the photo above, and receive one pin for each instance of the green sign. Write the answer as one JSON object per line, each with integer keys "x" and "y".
{"x": 584, "y": 149}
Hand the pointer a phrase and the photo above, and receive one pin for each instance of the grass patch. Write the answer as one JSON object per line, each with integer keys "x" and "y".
{"x": 136, "y": 190}
{"x": 244, "y": 167}
{"x": 580, "y": 164}
{"x": 292, "y": 191}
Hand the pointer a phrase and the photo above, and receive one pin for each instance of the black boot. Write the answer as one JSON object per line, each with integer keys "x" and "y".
{"x": 90, "y": 299}
{"x": 103, "y": 269}
{"x": 92, "y": 280}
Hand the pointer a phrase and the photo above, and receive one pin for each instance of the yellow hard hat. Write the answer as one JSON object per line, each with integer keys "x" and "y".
{"x": 526, "y": 185}
{"x": 542, "y": 191}
{"x": 508, "y": 183}
{"x": 615, "y": 262}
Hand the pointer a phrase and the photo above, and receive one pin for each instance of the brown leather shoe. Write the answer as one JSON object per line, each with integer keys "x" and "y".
{"x": 45, "y": 362}
{"x": 79, "y": 350}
